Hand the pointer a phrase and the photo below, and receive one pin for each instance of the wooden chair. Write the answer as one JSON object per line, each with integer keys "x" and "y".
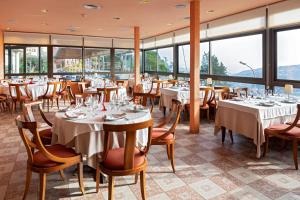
{"x": 156, "y": 91}
{"x": 241, "y": 91}
{"x": 125, "y": 161}
{"x": 173, "y": 82}
{"x": 51, "y": 94}
{"x": 142, "y": 99}
{"x": 4, "y": 103}
{"x": 163, "y": 136}
{"x": 290, "y": 132}
{"x": 17, "y": 95}
{"x": 46, "y": 159}
{"x": 63, "y": 90}
{"x": 45, "y": 130}
{"x": 107, "y": 92}
{"x": 121, "y": 83}
{"x": 74, "y": 89}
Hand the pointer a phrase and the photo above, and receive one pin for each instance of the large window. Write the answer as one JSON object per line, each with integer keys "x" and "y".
{"x": 239, "y": 56}
{"x": 32, "y": 60}
{"x": 184, "y": 58}
{"x": 17, "y": 61}
{"x": 67, "y": 60}
{"x": 97, "y": 60}
{"x": 43, "y": 60}
{"x": 124, "y": 60}
{"x": 159, "y": 60}
{"x": 288, "y": 51}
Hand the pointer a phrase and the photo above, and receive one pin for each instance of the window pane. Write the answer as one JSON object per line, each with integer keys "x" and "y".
{"x": 67, "y": 59}
{"x": 280, "y": 90}
{"x": 184, "y": 58}
{"x": 44, "y": 60}
{"x": 17, "y": 61}
{"x": 97, "y": 60}
{"x": 124, "y": 60}
{"x": 32, "y": 60}
{"x": 288, "y": 60}
{"x": 6, "y": 61}
{"x": 240, "y": 56}
{"x": 150, "y": 60}
{"x": 165, "y": 59}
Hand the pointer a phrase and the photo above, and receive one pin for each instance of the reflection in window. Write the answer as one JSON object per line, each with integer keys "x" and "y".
{"x": 165, "y": 59}
{"x": 44, "y": 60}
{"x": 184, "y": 58}
{"x": 151, "y": 60}
{"x": 32, "y": 60}
{"x": 240, "y": 56}
{"x": 67, "y": 59}
{"x": 288, "y": 59}
{"x": 17, "y": 61}
{"x": 97, "y": 60}
{"x": 124, "y": 60}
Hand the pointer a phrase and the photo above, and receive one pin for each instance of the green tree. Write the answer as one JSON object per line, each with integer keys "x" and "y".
{"x": 154, "y": 61}
{"x": 218, "y": 68}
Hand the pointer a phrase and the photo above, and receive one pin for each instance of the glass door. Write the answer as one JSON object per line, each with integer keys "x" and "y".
{"x": 17, "y": 60}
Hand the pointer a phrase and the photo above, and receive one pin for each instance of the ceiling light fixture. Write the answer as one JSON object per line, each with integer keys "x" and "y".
{"x": 100, "y": 29}
{"x": 169, "y": 24}
{"x": 210, "y": 11}
{"x": 116, "y": 18}
{"x": 7, "y": 28}
{"x": 180, "y": 6}
{"x": 144, "y": 1}
{"x": 91, "y": 6}
{"x": 83, "y": 15}
{"x": 44, "y": 11}
{"x": 187, "y": 18}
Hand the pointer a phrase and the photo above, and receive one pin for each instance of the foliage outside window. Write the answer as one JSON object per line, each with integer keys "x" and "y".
{"x": 97, "y": 60}
{"x": 43, "y": 60}
{"x": 160, "y": 60}
{"x": 151, "y": 60}
{"x": 32, "y": 60}
{"x": 124, "y": 60}
{"x": 288, "y": 59}
{"x": 67, "y": 59}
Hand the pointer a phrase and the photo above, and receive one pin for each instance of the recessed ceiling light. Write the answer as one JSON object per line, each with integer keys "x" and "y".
{"x": 45, "y": 23}
{"x": 144, "y": 1}
{"x": 169, "y": 24}
{"x": 180, "y": 6}
{"x": 116, "y": 18}
{"x": 91, "y": 6}
{"x": 7, "y": 29}
{"x": 44, "y": 11}
{"x": 187, "y": 18}
{"x": 83, "y": 15}
{"x": 100, "y": 29}
{"x": 210, "y": 11}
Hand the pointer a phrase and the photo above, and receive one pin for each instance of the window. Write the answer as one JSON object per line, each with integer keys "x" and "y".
{"x": 97, "y": 60}
{"x": 151, "y": 60}
{"x": 17, "y": 61}
{"x": 184, "y": 58}
{"x": 6, "y": 62}
{"x": 165, "y": 60}
{"x": 67, "y": 59}
{"x": 288, "y": 60}
{"x": 124, "y": 60}
{"x": 43, "y": 60}
{"x": 32, "y": 60}
{"x": 240, "y": 56}
{"x": 280, "y": 91}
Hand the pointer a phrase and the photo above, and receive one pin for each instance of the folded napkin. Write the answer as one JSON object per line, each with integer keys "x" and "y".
{"x": 77, "y": 115}
{"x": 111, "y": 117}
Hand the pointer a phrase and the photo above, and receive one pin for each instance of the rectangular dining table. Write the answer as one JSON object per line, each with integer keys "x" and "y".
{"x": 249, "y": 118}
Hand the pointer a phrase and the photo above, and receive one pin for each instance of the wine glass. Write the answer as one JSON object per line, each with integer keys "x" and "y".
{"x": 79, "y": 101}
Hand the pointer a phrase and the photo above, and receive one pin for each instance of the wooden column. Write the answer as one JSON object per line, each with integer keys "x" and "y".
{"x": 1, "y": 55}
{"x": 194, "y": 65}
{"x": 137, "y": 55}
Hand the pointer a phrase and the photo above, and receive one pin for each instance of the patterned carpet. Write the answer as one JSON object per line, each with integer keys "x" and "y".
{"x": 206, "y": 169}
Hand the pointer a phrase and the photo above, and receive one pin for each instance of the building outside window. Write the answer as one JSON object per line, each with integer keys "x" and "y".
{"x": 67, "y": 60}
{"x": 97, "y": 60}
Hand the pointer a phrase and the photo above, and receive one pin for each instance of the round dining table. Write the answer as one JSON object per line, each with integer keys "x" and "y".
{"x": 93, "y": 90}
{"x": 85, "y": 133}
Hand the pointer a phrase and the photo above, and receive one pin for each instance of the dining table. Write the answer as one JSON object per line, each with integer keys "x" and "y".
{"x": 93, "y": 90}
{"x": 250, "y": 116}
{"x": 85, "y": 134}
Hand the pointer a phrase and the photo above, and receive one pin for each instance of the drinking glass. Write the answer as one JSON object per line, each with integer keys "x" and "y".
{"x": 79, "y": 101}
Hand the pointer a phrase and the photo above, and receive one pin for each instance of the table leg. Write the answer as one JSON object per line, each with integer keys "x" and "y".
{"x": 223, "y": 134}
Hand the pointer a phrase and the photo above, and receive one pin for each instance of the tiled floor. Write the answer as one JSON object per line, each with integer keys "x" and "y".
{"x": 206, "y": 169}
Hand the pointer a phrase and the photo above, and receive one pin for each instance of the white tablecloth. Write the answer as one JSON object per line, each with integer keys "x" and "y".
{"x": 167, "y": 94}
{"x": 86, "y": 134}
{"x": 36, "y": 90}
{"x": 250, "y": 119}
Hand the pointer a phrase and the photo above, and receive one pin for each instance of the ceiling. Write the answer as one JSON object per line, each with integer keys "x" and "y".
{"x": 70, "y": 17}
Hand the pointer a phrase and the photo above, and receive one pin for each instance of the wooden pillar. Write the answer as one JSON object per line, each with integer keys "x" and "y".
{"x": 137, "y": 55}
{"x": 1, "y": 55}
{"x": 194, "y": 64}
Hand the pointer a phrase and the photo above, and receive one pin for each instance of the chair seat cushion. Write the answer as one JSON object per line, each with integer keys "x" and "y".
{"x": 115, "y": 159}
{"x": 46, "y": 136}
{"x": 39, "y": 160}
{"x": 293, "y": 132}
{"x": 157, "y": 132}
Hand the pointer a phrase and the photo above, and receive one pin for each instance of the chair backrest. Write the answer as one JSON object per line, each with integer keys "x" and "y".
{"x": 173, "y": 82}
{"x": 159, "y": 84}
{"x": 106, "y": 92}
{"x": 32, "y": 128}
{"x": 16, "y": 92}
{"x": 240, "y": 91}
{"x": 130, "y": 141}
{"x": 73, "y": 89}
{"x": 142, "y": 99}
{"x": 52, "y": 88}
{"x": 28, "y": 112}
{"x": 120, "y": 82}
{"x": 208, "y": 96}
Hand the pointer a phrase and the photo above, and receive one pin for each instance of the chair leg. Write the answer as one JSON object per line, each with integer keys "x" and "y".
{"x": 48, "y": 104}
{"x": 80, "y": 177}
{"x": 42, "y": 186}
{"x": 168, "y": 151}
{"x": 223, "y": 134}
{"x": 57, "y": 103}
{"x": 143, "y": 184}
{"x": 231, "y": 136}
{"x": 207, "y": 114}
{"x": 97, "y": 175}
{"x": 266, "y": 146}
{"x": 172, "y": 156}
{"x": 111, "y": 187}
{"x": 295, "y": 153}
{"x": 62, "y": 175}
{"x": 28, "y": 180}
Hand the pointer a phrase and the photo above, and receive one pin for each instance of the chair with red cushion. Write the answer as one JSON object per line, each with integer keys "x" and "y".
{"x": 46, "y": 159}
{"x": 289, "y": 132}
{"x": 130, "y": 160}
{"x": 163, "y": 136}
{"x": 51, "y": 94}
{"x": 19, "y": 93}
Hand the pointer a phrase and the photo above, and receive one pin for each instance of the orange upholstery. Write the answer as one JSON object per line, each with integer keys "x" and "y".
{"x": 157, "y": 132}
{"x": 115, "y": 159}
{"x": 46, "y": 136}
{"x": 40, "y": 160}
{"x": 293, "y": 132}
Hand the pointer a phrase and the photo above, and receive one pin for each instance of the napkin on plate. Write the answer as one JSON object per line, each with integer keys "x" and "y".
{"x": 111, "y": 117}
{"x": 77, "y": 115}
